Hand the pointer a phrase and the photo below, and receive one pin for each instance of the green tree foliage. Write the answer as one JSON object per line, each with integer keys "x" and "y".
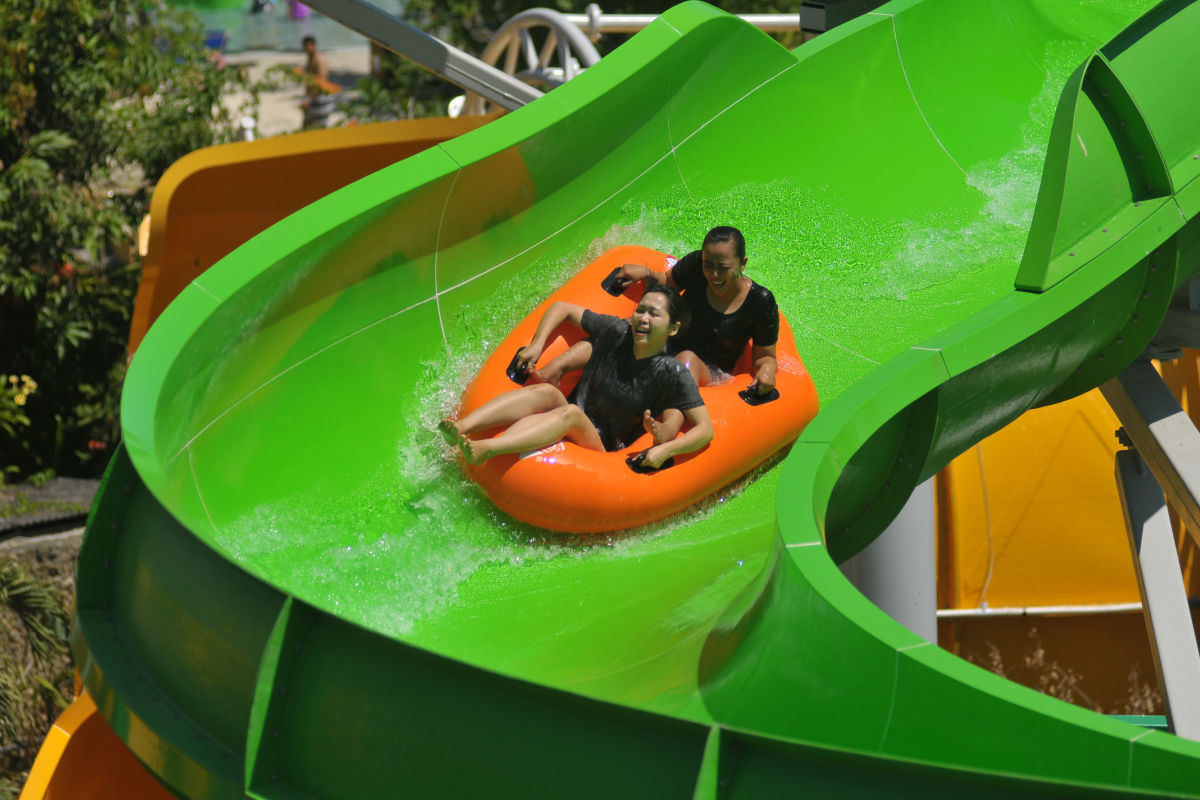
{"x": 97, "y": 99}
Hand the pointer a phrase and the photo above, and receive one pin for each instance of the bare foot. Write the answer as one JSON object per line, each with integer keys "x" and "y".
{"x": 542, "y": 376}
{"x": 473, "y": 452}
{"x": 652, "y": 426}
{"x": 449, "y": 431}
{"x": 663, "y": 430}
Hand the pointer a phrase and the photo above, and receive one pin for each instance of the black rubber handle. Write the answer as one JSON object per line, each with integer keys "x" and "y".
{"x": 517, "y": 373}
{"x": 753, "y": 398}
{"x": 614, "y": 284}
{"x": 637, "y": 463}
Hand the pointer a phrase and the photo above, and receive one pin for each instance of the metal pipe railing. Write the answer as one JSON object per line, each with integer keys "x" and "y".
{"x": 433, "y": 54}
{"x": 595, "y": 22}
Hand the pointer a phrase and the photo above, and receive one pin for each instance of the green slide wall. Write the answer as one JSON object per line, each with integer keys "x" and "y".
{"x": 288, "y": 589}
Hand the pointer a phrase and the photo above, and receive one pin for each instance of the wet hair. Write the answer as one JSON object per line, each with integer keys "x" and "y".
{"x": 727, "y": 233}
{"x": 677, "y": 309}
{"x": 308, "y": 39}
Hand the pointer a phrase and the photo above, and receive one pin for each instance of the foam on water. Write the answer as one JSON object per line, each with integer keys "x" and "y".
{"x": 961, "y": 240}
{"x": 389, "y": 556}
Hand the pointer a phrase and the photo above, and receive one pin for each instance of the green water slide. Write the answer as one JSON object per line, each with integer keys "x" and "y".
{"x": 288, "y": 588}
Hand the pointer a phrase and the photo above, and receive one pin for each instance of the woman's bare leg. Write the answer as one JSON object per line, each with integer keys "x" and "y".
{"x": 696, "y": 366}
{"x": 504, "y": 409}
{"x": 534, "y": 431}
{"x": 575, "y": 357}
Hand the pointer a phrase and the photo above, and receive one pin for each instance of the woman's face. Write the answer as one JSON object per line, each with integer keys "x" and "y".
{"x": 722, "y": 268}
{"x": 651, "y": 322}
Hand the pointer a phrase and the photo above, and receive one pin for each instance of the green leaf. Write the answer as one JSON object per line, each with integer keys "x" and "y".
{"x": 59, "y": 700}
{"x": 50, "y": 144}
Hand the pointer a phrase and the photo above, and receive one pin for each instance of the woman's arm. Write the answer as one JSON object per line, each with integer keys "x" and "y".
{"x": 555, "y": 315}
{"x": 765, "y": 367}
{"x": 631, "y": 273}
{"x": 697, "y": 436}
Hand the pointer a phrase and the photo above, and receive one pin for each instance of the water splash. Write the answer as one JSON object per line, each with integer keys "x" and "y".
{"x": 393, "y": 552}
{"x": 959, "y": 241}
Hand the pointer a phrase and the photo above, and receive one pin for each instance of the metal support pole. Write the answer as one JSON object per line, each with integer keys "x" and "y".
{"x": 429, "y": 52}
{"x": 898, "y": 571}
{"x": 1164, "y": 601}
{"x": 595, "y": 22}
{"x": 1164, "y": 435}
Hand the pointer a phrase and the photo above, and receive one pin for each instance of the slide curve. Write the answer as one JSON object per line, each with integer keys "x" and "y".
{"x": 288, "y": 588}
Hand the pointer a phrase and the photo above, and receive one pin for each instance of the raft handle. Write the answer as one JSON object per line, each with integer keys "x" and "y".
{"x": 517, "y": 372}
{"x": 613, "y": 284}
{"x": 636, "y": 463}
{"x": 753, "y": 398}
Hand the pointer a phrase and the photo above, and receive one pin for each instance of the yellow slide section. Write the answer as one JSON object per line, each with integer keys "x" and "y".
{"x": 212, "y": 200}
{"x": 82, "y": 759}
{"x": 1030, "y": 527}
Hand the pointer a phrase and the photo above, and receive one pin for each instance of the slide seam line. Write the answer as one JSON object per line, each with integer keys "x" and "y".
{"x": 279, "y": 375}
{"x": 671, "y": 143}
{"x": 554, "y": 233}
{"x": 722, "y": 112}
{"x": 827, "y": 340}
{"x": 437, "y": 244}
{"x": 675, "y": 147}
{"x": 199, "y": 492}
{"x": 916, "y": 102}
{"x": 202, "y": 288}
{"x": 887, "y": 725}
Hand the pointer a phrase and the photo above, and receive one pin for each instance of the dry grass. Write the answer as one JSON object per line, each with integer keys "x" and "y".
{"x": 1049, "y": 677}
{"x": 37, "y": 581}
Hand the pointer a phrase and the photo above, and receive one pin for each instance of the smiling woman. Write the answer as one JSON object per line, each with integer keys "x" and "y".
{"x": 627, "y": 385}
{"x": 728, "y": 312}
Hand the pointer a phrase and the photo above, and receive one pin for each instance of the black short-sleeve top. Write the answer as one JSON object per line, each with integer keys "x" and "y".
{"x": 616, "y": 388}
{"x": 717, "y": 337}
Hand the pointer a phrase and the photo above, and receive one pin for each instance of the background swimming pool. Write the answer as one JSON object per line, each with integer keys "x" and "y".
{"x": 276, "y": 29}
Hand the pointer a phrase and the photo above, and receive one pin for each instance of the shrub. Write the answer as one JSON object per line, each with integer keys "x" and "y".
{"x": 97, "y": 99}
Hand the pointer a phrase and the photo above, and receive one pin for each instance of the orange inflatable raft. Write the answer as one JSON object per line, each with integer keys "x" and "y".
{"x": 565, "y": 487}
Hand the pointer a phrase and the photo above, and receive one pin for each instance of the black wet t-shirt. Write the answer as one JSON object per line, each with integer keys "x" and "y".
{"x": 616, "y": 388}
{"x": 717, "y": 337}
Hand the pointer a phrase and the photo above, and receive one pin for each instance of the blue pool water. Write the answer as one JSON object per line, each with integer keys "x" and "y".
{"x": 276, "y": 29}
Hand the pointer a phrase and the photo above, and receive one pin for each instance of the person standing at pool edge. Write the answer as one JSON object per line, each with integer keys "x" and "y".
{"x": 316, "y": 103}
{"x": 626, "y": 384}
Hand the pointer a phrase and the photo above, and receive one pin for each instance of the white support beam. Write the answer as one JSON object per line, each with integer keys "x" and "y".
{"x": 1164, "y": 601}
{"x": 898, "y": 571}
{"x": 1163, "y": 433}
{"x": 433, "y": 54}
